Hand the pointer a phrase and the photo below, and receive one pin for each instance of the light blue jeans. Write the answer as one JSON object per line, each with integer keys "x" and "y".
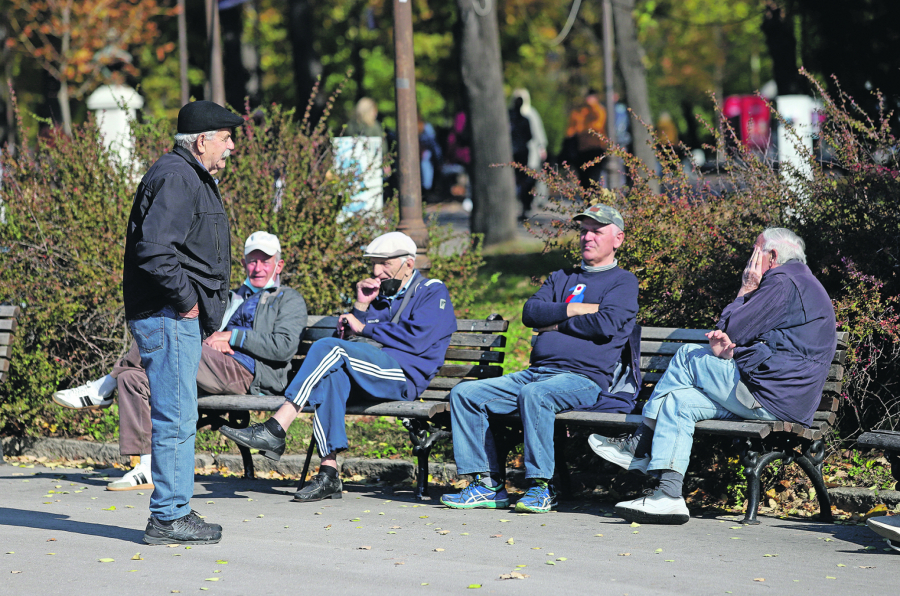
{"x": 537, "y": 393}
{"x": 697, "y": 386}
{"x": 170, "y": 348}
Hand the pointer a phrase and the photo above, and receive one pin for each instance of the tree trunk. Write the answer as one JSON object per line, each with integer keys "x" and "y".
{"x": 630, "y": 55}
{"x": 778, "y": 28}
{"x": 238, "y": 75}
{"x": 307, "y": 67}
{"x": 216, "y": 82}
{"x": 493, "y": 189}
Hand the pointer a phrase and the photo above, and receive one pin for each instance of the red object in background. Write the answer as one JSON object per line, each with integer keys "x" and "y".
{"x": 750, "y": 118}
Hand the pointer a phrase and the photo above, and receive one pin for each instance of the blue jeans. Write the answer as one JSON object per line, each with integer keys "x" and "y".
{"x": 696, "y": 386}
{"x": 537, "y": 393}
{"x": 170, "y": 348}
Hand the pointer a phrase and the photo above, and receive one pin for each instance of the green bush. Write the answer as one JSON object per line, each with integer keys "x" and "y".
{"x": 688, "y": 243}
{"x": 67, "y": 205}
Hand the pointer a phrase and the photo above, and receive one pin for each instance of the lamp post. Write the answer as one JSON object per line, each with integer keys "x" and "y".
{"x": 411, "y": 222}
{"x": 612, "y": 163}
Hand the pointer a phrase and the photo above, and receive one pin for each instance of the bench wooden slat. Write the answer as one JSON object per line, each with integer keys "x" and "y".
{"x": 661, "y": 363}
{"x": 625, "y": 422}
{"x": 462, "y": 325}
{"x": 10, "y": 312}
{"x": 478, "y": 371}
{"x": 474, "y": 355}
{"x": 3, "y": 376}
{"x": 488, "y": 340}
{"x": 4, "y": 365}
{"x": 271, "y": 403}
{"x": 5, "y": 351}
{"x": 880, "y": 439}
{"x": 8, "y": 324}
{"x": 673, "y": 334}
{"x": 5, "y": 339}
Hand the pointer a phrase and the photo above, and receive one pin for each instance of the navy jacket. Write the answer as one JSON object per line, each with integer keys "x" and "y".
{"x": 591, "y": 345}
{"x": 178, "y": 244}
{"x": 419, "y": 340}
{"x": 785, "y": 336}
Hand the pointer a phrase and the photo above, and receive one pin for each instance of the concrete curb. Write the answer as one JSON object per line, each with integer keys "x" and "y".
{"x": 107, "y": 454}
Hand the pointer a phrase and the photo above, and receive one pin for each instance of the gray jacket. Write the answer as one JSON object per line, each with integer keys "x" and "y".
{"x": 279, "y": 322}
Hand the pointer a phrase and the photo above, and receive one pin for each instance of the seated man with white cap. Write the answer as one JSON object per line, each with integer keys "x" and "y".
{"x": 251, "y": 354}
{"x": 389, "y": 346}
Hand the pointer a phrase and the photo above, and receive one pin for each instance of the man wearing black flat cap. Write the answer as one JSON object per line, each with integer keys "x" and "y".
{"x": 175, "y": 282}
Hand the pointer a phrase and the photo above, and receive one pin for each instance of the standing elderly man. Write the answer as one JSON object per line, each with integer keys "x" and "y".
{"x": 389, "y": 346}
{"x": 584, "y": 317}
{"x": 176, "y": 279}
{"x": 767, "y": 359}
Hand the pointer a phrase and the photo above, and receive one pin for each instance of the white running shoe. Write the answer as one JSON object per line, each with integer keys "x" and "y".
{"x": 886, "y": 526}
{"x": 616, "y": 451}
{"x": 654, "y": 507}
{"x": 91, "y": 396}
{"x": 138, "y": 478}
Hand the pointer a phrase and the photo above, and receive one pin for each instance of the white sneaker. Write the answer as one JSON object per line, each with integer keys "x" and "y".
{"x": 615, "y": 451}
{"x": 90, "y": 396}
{"x": 654, "y": 508}
{"x": 885, "y": 526}
{"x": 138, "y": 478}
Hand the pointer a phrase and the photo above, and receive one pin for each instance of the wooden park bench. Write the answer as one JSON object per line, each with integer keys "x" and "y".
{"x": 758, "y": 443}
{"x": 472, "y": 355}
{"x": 8, "y": 324}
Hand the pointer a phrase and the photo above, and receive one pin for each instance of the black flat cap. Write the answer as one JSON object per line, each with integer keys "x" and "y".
{"x": 203, "y": 116}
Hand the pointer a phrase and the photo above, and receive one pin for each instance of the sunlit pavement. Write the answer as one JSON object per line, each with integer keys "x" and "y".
{"x": 62, "y": 533}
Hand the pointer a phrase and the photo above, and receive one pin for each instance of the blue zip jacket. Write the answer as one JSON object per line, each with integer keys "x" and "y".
{"x": 419, "y": 340}
{"x": 785, "y": 336}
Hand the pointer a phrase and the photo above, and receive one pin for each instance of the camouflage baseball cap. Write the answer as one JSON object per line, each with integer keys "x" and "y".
{"x": 603, "y": 214}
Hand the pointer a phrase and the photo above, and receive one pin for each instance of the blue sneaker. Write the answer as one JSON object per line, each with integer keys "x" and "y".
{"x": 477, "y": 495}
{"x": 540, "y": 498}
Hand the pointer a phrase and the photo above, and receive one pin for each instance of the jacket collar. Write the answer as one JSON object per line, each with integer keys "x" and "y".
{"x": 194, "y": 163}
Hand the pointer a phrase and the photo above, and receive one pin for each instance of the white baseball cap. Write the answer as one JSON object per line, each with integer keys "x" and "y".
{"x": 390, "y": 245}
{"x": 264, "y": 241}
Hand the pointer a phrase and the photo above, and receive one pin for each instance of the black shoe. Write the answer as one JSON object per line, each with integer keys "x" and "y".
{"x": 189, "y": 529}
{"x": 216, "y": 527}
{"x": 256, "y": 436}
{"x": 322, "y": 486}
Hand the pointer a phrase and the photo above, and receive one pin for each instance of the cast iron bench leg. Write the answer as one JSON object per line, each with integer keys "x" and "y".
{"x": 560, "y": 438}
{"x": 309, "y": 454}
{"x": 239, "y": 419}
{"x": 423, "y": 437}
{"x": 811, "y": 463}
{"x": 754, "y": 464}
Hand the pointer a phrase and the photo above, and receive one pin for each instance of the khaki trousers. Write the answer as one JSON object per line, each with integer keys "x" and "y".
{"x": 219, "y": 374}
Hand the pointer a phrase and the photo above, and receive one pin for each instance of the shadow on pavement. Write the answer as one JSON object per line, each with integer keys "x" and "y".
{"x": 54, "y": 521}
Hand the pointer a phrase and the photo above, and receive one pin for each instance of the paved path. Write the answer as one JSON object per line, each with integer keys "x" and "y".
{"x": 58, "y": 525}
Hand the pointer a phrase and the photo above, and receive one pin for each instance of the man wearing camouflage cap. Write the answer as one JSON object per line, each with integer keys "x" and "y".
{"x": 584, "y": 317}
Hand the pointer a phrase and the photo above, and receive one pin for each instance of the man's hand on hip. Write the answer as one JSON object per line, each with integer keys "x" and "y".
{"x": 191, "y": 314}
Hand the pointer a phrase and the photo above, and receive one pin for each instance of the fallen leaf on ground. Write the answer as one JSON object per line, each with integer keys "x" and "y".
{"x": 400, "y": 563}
{"x": 759, "y": 579}
{"x": 105, "y": 560}
{"x": 867, "y": 567}
{"x": 211, "y": 579}
{"x": 438, "y": 550}
{"x": 510, "y": 541}
{"x": 442, "y": 532}
{"x": 110, "y": 508}
{"x": 365, "y": 548}
{"x": 496, "y": 535}
{"x": 51, "y": 539}
{"x": 624, "y": 554}
{"x": 635, "y": 525}
{"x": 514, "y": 575}
{"x": 561, "y": 559}
{"x": 474, "y": 586}
{"x": 137, "y": 557}
{"x": 17, "y": 571}
{"x": 550, "y": 563}
{"x": 395, "y": 527}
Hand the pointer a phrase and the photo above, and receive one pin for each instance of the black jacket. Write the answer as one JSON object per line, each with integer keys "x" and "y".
{"x": 178, "y": 244}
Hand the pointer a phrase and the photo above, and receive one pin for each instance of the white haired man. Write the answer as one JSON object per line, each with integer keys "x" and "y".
{"x": 176, "y": 278}
{"x": 767, "y": 359}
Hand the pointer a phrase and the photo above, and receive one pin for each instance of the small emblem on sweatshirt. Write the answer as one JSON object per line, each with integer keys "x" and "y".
{"x": 576, "y": 294}
{"x": 443, "y": 303}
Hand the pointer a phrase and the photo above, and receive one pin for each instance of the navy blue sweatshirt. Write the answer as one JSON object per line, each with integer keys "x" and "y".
{"x": 590, "y": 345}
{"x": 785, "y": 336}
{"x": 419, "y": 340}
